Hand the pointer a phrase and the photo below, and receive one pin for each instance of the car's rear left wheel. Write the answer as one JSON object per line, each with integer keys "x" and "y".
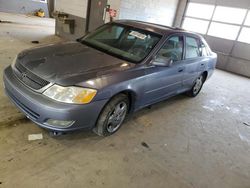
{"x": 195, "y": 90}
{"x": 112, "y": 116}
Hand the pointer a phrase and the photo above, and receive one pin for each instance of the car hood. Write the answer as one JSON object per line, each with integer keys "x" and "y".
{"x": 70, "y": 63}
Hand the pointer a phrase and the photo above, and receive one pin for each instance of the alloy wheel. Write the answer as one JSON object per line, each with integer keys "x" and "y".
{"x": 116, "y": 117}
{"x": 198, "y": 85}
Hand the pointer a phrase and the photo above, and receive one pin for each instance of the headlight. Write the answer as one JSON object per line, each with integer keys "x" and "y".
{"x": 74, "y": 95}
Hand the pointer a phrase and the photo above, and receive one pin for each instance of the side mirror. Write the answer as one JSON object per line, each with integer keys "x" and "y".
{"x": 162, "y": 61}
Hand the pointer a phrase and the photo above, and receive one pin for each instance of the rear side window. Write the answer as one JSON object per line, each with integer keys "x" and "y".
{"x": 192, "y": 48}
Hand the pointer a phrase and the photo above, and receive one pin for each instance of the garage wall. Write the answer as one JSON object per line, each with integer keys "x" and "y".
{"x": 233, "y": 56}
{"x": 23, "y": 6}
{"x": 73, "y": 7}
{"x": 160, "y": 11}
{"x": 77, "y": 11}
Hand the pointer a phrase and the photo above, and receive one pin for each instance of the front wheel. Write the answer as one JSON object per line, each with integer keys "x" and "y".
{"x": 195, "y": 90}
{"x": 112, "y": 116}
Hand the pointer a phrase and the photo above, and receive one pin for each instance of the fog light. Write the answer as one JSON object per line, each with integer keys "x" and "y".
{"x": 59, "y": 123}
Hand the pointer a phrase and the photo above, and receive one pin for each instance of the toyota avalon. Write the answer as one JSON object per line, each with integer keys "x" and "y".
{"x": 96, "y": 81}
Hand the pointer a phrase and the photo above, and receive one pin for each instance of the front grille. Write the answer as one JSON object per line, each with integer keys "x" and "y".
{"x": 29, "y": 78}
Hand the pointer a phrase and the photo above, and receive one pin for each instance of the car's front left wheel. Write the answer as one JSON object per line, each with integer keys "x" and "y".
{"x": 112, "y": 116}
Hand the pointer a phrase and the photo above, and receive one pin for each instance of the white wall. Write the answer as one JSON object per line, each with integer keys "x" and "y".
{"x": 155, "y": 11}
{"x": 74, "y": 7}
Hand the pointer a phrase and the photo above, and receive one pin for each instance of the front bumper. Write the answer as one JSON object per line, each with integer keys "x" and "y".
{"x": 40, "y": 108}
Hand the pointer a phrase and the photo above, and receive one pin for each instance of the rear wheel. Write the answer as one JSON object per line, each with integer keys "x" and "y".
{"x": 197, "y": 86}
{"x": 112, "y": 116}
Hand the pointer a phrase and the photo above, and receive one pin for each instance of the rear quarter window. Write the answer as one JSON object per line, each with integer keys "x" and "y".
{"x": 204, "y": 50}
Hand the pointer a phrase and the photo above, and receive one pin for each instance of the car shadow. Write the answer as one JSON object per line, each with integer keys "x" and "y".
{"x": 159, "y": 105}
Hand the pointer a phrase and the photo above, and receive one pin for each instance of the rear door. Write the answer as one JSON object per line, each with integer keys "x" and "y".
{"x": 194, "y": 62}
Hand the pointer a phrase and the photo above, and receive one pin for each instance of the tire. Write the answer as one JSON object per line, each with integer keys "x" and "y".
{"x": 195, "y": 90}
{"x": 112, "y": 116}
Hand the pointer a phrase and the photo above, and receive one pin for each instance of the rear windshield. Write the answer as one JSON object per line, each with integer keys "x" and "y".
{"x": 122, "y": 41}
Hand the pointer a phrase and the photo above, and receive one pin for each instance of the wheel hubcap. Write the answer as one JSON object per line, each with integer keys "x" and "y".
{"x": 198, "y": 85}
{"x": 116, "y": 117}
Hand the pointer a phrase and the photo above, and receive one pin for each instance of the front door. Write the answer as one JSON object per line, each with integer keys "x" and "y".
{"x": 162, "y": 81}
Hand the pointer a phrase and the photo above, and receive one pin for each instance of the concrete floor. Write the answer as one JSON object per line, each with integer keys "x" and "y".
{"x": 201, "y": 142}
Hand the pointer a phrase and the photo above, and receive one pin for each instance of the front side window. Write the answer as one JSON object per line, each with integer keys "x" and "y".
{"x": 123, "y": 41}
{"x": 192, "y": 48}
{"x": 172, "y": 49}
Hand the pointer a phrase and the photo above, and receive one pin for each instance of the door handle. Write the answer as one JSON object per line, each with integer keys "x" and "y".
{"x": 181, "y": 69}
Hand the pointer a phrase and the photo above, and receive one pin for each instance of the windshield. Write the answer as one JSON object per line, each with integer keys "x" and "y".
{"x": 123, "y": 41}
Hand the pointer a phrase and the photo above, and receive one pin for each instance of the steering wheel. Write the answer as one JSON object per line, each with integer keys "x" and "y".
{"x": 138, "y": 50}
{"x": 173, "y": 55}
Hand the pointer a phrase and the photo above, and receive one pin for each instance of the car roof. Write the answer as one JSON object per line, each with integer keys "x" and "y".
{"x": 153, "y": 27}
